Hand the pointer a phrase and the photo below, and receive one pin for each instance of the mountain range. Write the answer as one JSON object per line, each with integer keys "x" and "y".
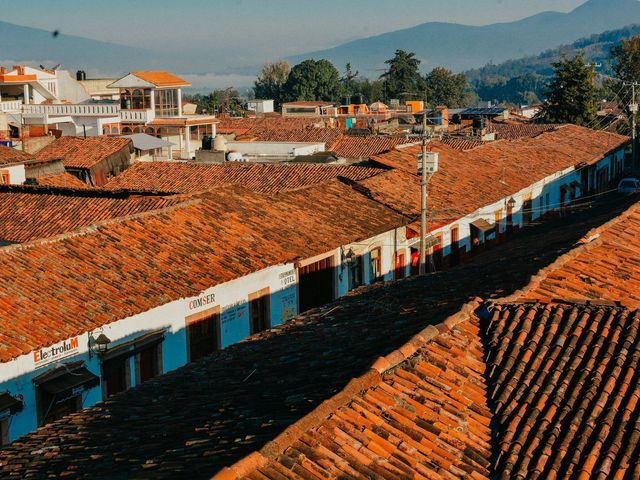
{"x": 458, "y": 47}
{"x": 463, "y": 47}
{"x": 524, "y": 80}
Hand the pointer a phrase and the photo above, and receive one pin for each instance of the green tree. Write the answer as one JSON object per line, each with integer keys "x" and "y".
{"x": 446, "y": 88}
{"x": 571, "y": 94}
{"x": 350, "y": 83}
{"x": 402, "y": 80}
{"x": 372, "y": 90}
{"x": 313, "y": 80}
{"x": 626, "y": 60}
{"x": 271, "y": 81}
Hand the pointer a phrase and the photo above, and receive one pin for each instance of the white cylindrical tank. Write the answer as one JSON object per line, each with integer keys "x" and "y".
{"x": 235, "y": 157}
{"x": 220, "y": 144}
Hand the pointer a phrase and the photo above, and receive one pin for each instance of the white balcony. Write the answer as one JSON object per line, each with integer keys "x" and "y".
{"x": 137, "y": 116}
{"x": 73, "y": 110}
{"x": 10, "y": 106}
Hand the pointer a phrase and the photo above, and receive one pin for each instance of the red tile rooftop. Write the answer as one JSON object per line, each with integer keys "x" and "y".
{"x": 425, "y": 415}
{"x": 9, "y": 155}
{"x": 161, "y": 78}
{"x": 537, "y": 380}
{"x": 467, "y": 181}
{"x": 111, "y": 269}
{"x": 77, "y": 152}
{"x": 605, "y": 266}
{"x": 196, "y": 177}
{"x": 62, "y": 180}
{"x": 60, "y": 210}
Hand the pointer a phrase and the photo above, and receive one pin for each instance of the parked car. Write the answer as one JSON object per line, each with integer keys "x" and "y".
{"x": 629, "y": 186}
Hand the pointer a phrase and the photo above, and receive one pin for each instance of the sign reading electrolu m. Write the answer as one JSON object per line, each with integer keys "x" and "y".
{"x": 56, "y": 352}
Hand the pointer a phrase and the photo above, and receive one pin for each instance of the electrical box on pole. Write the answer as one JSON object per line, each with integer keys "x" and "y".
{"x": 430, "y": 163}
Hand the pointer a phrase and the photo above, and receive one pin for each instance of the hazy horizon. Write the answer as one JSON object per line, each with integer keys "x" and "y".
{"x": 237, "y": 34}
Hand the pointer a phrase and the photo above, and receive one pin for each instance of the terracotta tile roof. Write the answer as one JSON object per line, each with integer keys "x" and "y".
{"x": 605, "y": 265}
{"x": 328, "y": 136}
{"x": 501, "y": 168}
{"x": 62, "y": 180}
{"x": 236, "y": 401}
{"x": 77, "y": 152}
{"x": 558, "y": 379}
{"x": 161, "y": 78}
{"x": 256, "y": 125}
{"x": 111, "y": 270}
{"x": 62, "y": 210}
{"x": 564, "y": 389}
{"x": 364, "y": 147}
{"x": 193, "y": 177}
{"x": 516, "y": 131}
{"x": 462, "y": 143}
{"x": 420, "y": 412}
{"x": 397, "y": 189}
{"x": 9, "y": 155}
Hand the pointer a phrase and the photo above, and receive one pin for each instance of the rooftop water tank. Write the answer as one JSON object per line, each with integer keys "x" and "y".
{"x": 235, "y": 157}
{"x": 220, "y": 144}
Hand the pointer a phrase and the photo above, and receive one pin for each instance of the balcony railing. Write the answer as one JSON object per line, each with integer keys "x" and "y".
{"x": 83, "y": 110}
{"x": 141, "y": 116}
{"x": 10, "y": 105}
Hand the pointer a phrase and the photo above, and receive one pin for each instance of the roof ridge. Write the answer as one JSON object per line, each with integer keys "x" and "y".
{"x": 589, "y": 241}
{"x": 94, "y": 227}
{"x": 272, "y": 449}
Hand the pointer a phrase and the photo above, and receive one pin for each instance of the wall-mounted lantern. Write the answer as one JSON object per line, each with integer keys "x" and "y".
{"x": 99, "y": 345}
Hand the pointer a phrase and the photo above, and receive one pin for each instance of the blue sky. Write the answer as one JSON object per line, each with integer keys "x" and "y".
{"x": 253, "y": 29}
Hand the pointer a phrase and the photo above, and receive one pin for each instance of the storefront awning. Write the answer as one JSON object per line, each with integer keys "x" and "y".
{"x": 9, "y": 405}
{"x": 65, "y": 382}
{"x": 482, "y": 225}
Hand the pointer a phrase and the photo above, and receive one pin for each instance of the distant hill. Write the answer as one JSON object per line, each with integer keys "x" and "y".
{"x": 462, "y": 47}
{"x": 523, "y": 80}
{"x": 25, "y": 44}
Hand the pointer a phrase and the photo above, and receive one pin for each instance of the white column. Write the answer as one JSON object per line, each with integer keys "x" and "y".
{"x": 179, "y": 102}
{"x": 188, "y": 140}
{"x": 26, "y": 93}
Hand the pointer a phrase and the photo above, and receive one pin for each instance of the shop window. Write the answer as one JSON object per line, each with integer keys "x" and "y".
{"x": 376, "y": 264}
{"x": 355, "y": 272}
{"x": 399, "y": 267}
{"x": 316, "y": 284}
{"x": 148, "y": 363}
{"x": 4, "y": 432}
{"x": 116, "y": 376}
{"x": 203, "y": 334}
{"x": 455, "y": 246}
{"x": 59, "y": 391}
{"x": 116, "y": 363}
{"x": 9, "y": 406}
{"x": 527, "y": 211}
{"x": 259, "y": 314}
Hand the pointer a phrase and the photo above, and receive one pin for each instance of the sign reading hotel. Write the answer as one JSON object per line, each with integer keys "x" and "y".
{"x": 57, "y": 352}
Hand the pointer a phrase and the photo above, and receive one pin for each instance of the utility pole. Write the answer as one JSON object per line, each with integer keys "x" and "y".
{"x": 430, "y": 164}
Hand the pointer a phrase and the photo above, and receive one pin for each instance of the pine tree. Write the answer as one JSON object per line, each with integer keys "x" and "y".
{"x": 571, "y": 94}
